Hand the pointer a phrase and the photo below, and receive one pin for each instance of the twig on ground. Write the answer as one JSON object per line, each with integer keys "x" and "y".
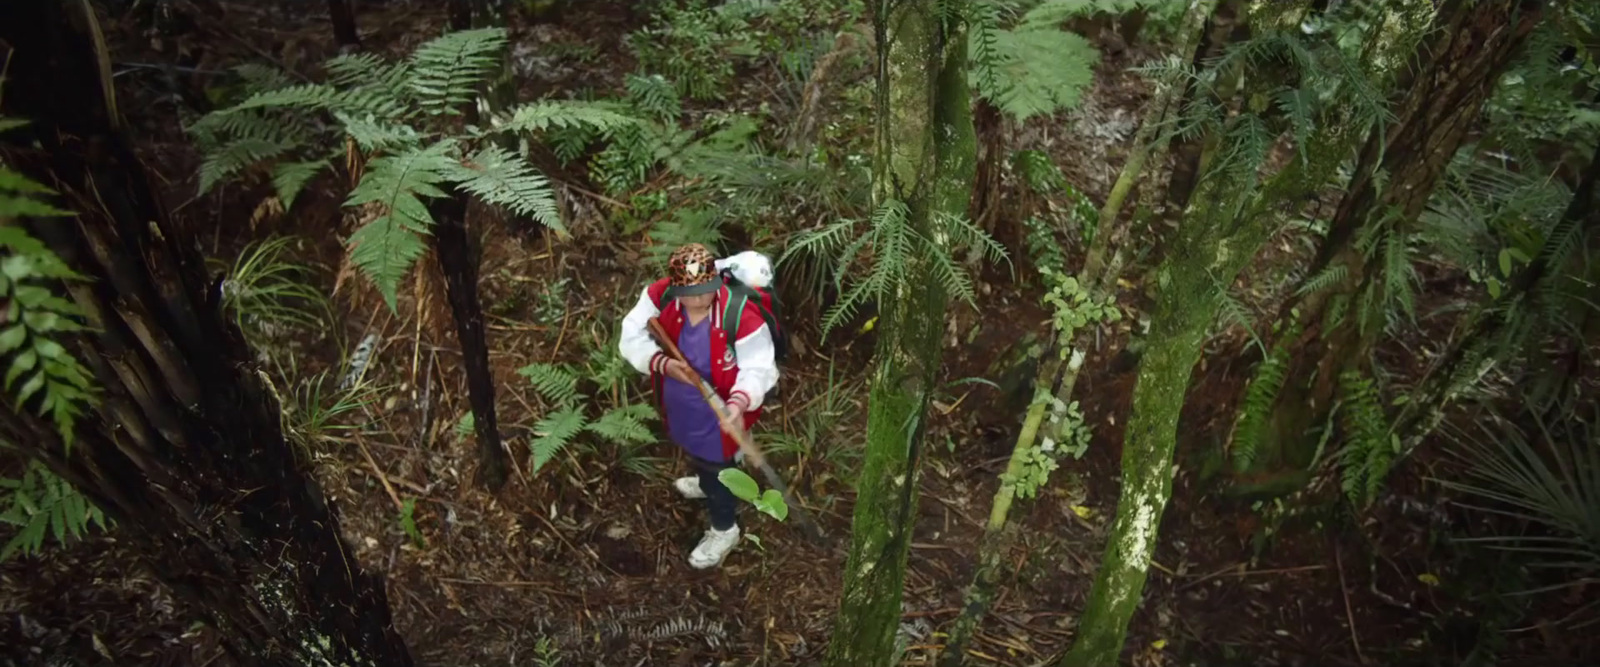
{"x": 1235, "y": 571}
{"x": 1348, "y": 614}
{"x": 382, "y": 478}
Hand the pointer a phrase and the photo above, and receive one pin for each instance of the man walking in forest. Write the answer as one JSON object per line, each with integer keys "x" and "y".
{"x": 692, "y": 304}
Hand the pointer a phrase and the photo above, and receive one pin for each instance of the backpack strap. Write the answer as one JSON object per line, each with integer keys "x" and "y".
{"x": 731, "y": 315}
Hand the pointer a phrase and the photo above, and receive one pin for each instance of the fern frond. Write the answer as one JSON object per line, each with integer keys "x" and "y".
{"x": 367, "y": 70}
{"x": 1325, "y": 279}
{"x": 385, "y": 248}
{"x": 546, "y": 115}
{"x": 447, "y": 70}
{"x": 624, "y": 425}
{"x": 553, "y": 433}
{"x": 556, "y": 383}
{"x": 1368, "y": 445}
{"x": 374, "y": 134}
{"x": 1036, "y": 72}
{"x": 502, "y": 178}
{"x": 983, "y": 39}
{"x": 259, "y": 77}
{"x": 654, "y": 95}
{"x": 1400, "y": 276}
{"x": 1259, "y": 401}
{"x": 237, "y": 156}
{"x": 317, "y": 96}
{"x": 289, "y": 177}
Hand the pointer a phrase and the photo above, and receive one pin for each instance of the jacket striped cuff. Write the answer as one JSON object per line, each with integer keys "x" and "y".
{"x": 741, "y": 399}
{"x": 658, "y": 363}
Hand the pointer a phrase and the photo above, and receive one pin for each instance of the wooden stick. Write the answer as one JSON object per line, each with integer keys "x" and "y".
{"x": 742, "y": 436}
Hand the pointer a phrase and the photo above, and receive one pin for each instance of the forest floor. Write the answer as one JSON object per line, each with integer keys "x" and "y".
{"x": 587, "y": 557}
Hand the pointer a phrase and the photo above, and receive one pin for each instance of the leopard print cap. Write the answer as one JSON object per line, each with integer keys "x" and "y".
{"x": 692, "y": 264}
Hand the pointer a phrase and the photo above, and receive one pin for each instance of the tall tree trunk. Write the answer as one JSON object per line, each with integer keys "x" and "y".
{"x": 1224, "y": 26}
{"x": 926, "y": 155}
{"x": 1395, "y": 175}
{"x": 1061, "y": 367}
{"x": 185, "y": 450}
{"x": 344, "y": 24}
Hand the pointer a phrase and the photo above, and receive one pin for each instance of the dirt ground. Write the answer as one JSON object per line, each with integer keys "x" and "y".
{"x": 588, "y": 559}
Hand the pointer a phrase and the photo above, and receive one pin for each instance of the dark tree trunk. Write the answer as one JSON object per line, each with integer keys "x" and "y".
{"x": 344, "y": 24}
{"x": 458, "y": 261}
{"x": 185, "y": 450}
{"x": 1456, "y": 72}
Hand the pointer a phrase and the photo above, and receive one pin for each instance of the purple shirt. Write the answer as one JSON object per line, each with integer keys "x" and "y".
{"x": 690, "y": 422}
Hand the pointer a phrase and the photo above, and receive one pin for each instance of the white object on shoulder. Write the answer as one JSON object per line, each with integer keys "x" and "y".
{"x": 750, "y": 267}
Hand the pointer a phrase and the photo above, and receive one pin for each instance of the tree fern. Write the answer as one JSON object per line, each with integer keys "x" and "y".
{"x": 554, "y": 432}
{"x": 236, "y": 156}
{"x": 557, "y": 383}
{"x": 447, "y": 70}
{"x": 386, "y": 247}
{"x": 545, "y": 115}
{"x": 1037, "y": 72}
{"x": 1327, "y": 278}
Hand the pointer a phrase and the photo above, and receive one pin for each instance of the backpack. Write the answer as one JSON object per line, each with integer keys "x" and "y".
{"x": 740, "y": 293}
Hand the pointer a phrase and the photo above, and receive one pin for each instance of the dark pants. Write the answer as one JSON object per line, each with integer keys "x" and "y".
{"x": 724, "y": 507}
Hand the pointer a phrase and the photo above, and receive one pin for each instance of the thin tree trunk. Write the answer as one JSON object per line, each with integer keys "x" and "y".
{"x": 1224, "y": 26}
{"x": 1476, "y": 40}
{"x": 1097, "y": 278}
{"x": 344, "y": 24}
{"x": 185, "y": 450}
{"x": 926, "y": 155}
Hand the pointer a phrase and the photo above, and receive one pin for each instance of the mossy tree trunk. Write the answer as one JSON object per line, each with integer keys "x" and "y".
{"x": 185, "y": 451}
{"x": 1061, "y": 367}
{"x": 926, "y": 158}
{"x": 1394, "y": 177}
{"x": 1228, "y": 219}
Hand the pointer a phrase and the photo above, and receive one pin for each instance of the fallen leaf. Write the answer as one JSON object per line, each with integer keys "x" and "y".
{"x": 1428, "y": 579}
{"x": 1158, "y": 644}
{"x": 1081, "y": 511}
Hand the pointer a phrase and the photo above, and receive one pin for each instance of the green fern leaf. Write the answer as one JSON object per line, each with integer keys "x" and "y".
{"x": 1325, "y": 279}
{"x": 499, "y": 177}
{"x": 1037, "y": 72}
{"x": 557, "y": 383}
{"x": 553, "y": 433}
{"x": 542, "y": 116}
{"x": 654, "y": 95}
{"x": 447, "y": 70}
{"x": 238, "y": 156}
{"x": 289, "y": 177}
{"x": 624, "y": 425}
{"x": 374, "y": 134}
{"x": 385, "y": 248}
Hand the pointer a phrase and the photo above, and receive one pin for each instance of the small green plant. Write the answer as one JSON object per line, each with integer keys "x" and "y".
{"x": 624, "y": 426}
{"x": 1074, "y": 308}
{"x": 770, "y": 502}
{"x": 266, "y": 292}
{"x": 408, "y": 522}
{"x": 39, "y": 504}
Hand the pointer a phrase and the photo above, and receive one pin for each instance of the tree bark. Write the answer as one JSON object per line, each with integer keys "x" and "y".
{"x": 185, "y": 450}
{"x": 344, "y": 24}
{"x": 1097, "y": 277}
{"x": 1458, "y": 70}
{"x": 926, "y": 154}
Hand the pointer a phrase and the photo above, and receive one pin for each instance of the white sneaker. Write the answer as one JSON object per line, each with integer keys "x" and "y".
{"x": 689, "y": 487}
{"x": 713, "y": 548}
